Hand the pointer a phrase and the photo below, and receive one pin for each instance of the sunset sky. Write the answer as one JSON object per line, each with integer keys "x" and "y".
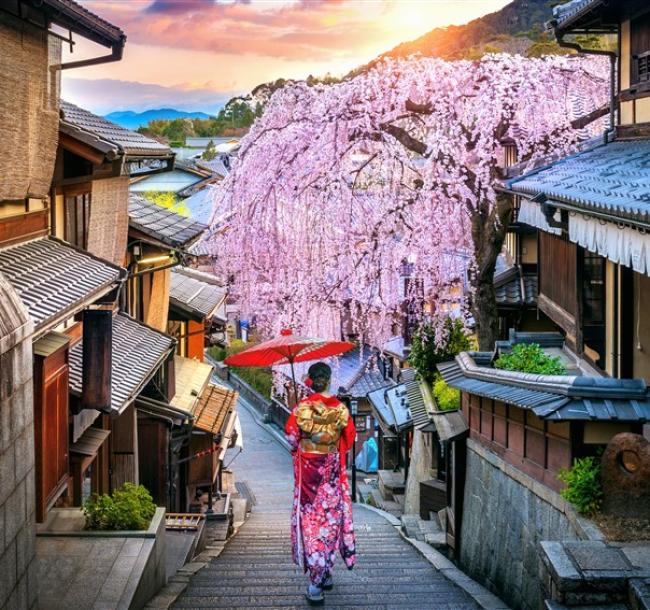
{"x": 196, "y": 54}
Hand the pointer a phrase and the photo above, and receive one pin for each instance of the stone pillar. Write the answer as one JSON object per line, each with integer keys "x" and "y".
{"x": 419, "y": 470}
{"x": 18, "y": 577}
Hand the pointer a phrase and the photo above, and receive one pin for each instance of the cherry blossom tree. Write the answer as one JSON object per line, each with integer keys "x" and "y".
{"x": 338, "y": 187}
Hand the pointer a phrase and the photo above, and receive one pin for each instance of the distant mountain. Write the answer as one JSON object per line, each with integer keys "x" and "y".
{"x": 517, "y": 28}
{"x": 133, "y": 120}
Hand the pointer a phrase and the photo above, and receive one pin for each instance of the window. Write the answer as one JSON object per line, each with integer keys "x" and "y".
{"x": 640, "y": 46}
{"x": 593, "y": 307}
{"x": 77, "y": 219}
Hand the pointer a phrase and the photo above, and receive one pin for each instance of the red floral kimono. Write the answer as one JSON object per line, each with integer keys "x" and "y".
{"x": 320, "y": 432}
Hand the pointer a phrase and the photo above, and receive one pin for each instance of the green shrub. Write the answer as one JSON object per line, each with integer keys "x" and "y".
{"x": 583, "y": 488}
{"x": 530, "y": 358}
{"x": 129, "y": 508}
{"x": 218, "y": 353}
{"x": 447, "y": 398}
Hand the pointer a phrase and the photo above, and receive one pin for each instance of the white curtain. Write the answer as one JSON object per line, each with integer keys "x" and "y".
{"x": 619, "y": 244}
{"x": 530, "y": 213}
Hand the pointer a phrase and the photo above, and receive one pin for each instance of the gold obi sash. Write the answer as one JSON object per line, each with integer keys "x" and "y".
{"x": 320, "y": 426}
{"x": 309, "y": 447}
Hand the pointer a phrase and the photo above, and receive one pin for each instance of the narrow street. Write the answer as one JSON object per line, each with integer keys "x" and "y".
{"x": 255, "y": 569}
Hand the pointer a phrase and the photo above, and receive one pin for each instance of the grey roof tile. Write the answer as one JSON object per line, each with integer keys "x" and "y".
{"x": 508, "y": 288}
{"x": 549, "y": 397}
{"x": 405, "y": 405}
{"x": 196, "y": 292}
{"x": 54, "y": 279}
{"x": 612, "y": 179}
{"x": 101, "y": 133}
{"x": 138, "y": 351}
{"x": 162, "y": 224}
{"x": 354, "y": 373}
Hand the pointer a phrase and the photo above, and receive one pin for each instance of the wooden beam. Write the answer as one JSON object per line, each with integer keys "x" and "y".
{"x": 82, "y": 150}
{"x": 14, "y": 229}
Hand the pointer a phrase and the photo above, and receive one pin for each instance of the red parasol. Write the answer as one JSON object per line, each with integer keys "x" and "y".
{"x": 287, "y": 349}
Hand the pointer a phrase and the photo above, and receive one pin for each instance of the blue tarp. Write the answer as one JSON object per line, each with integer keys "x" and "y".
{"x": 367, "y": 459}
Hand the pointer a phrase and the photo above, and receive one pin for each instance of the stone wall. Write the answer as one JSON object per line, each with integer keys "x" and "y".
{"x": 506, "y": 515}
{"x": 18, "y": 583}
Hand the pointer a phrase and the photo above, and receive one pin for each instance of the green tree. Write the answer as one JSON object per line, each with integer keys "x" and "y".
{"x": 426, "y": 353}
{"x": 210, "y": 153}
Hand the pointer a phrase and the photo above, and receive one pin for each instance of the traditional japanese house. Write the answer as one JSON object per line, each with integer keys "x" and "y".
{"x": 96, "y": 159}
{"x": 523, "y": 430}
{"x": 186, "y": 437}
{"x": 415, "y": 446}
{"x": 183, "y": 434}
{"x": 591, "y": 209}
{"x": 197, "y": 311}
{"x": 158, "y": 239}
{"x": 39, "y": 276}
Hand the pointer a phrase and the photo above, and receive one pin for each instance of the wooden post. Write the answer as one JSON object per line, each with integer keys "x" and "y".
{"x": 97, "y": 357}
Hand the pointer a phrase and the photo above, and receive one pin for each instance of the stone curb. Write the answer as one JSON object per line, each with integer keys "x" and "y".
{"x": 484, "y": 598}
{"x": 177, "y": 584}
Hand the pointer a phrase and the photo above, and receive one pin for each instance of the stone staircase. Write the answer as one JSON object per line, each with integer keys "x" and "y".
{"x": 425, "y": 531}
{"x": 593, "y": 575}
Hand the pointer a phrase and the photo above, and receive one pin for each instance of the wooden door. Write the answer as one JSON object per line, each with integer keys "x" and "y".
{"x": 51, "y": 429}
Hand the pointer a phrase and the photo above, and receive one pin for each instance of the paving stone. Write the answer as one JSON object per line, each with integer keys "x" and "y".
{"x": 254, "y": 569}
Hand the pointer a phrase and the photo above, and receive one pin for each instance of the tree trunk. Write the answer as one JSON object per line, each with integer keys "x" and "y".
{"x": 488, "y": 234}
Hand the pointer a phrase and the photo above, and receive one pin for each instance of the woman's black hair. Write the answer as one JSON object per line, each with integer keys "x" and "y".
{"x": 320, "y": 374}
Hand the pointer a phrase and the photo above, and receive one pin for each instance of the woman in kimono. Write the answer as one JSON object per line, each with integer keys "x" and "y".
{"x": 320, "y": 432}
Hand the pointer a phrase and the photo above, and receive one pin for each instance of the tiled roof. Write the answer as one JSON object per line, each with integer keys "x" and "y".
{"x": 196, "y": 292}
{"x": 355, "y": 373}
{"x": 54, "y": 280}
{"x": 403, "y": 406}
{"x": 177, "y": 181}
{"x": 201, "y": 205}
{"x": 138, "y": 351}
{"x": 162, "y": 224}
{"x": 191, "y": 378}
{"x": 212, "y": 411}
{"x": 556, "y": 398}
{"x": 108, "y": 137}
{"x": 72, "y": 16}
{"x": 611, "y": 180}
{"x": 564, "y": 13}
{"x": 508, "y": 287}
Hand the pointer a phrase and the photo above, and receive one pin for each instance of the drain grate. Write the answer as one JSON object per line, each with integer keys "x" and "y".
{"x": 245, "y": 491}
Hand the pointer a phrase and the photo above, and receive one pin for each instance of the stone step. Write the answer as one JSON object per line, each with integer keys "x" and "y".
{"x": 639, "y": 593}
{"x": 551, "y": 605}
{"x": 417, "y": 600}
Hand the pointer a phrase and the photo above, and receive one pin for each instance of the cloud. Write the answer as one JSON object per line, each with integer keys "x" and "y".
{"x": 290, "y": 30}
{"x": 129, "y": 95}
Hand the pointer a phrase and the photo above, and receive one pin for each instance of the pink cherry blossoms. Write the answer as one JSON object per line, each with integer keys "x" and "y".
{"x": 342, "y": 190}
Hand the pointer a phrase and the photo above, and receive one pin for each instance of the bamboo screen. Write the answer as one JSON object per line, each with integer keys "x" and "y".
{"x": 109, "y": 219}
{"x": 159, "y": 300}
{"x": 29, "y": 109}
